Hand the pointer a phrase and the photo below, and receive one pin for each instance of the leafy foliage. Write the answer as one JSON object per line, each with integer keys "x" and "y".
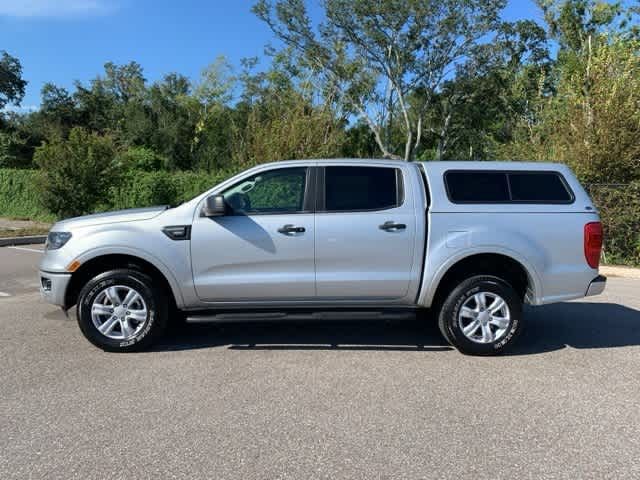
{"x": 592, "y": 122}
{"x": 140, "y": 158}
{"x": 376, "y": 55}
{"x": 19, "y": 195}
{"x": 286, "y": 125}
{"x": 20, "y": 191}
{"x": 75, "y": 173}
{"x": 619, "y": 208}
{"x": 11, "y": 145}
{"x": 12, "y": 84}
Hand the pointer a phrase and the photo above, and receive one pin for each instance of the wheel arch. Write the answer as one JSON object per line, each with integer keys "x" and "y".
{"x": 103, "y": 261}
{"x": 509, "y": 267}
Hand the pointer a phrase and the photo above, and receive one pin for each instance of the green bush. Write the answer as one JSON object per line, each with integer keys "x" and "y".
{"x": 141, "y": 189}
{"x": 619, "y": 208}
{"x": 141, "y": 158}
{"x": 20, "y": 195}
{"x": 75, "y": 173}
{"x": 12, "y": 147}
{"x": 191, "y": 184}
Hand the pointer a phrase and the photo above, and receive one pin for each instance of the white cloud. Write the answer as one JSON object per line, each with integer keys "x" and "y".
{"x": 54, "y": 8}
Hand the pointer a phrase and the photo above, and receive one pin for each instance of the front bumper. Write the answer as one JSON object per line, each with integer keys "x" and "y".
{"x": 596, "y": 287}
{"x": 53, "y": 287}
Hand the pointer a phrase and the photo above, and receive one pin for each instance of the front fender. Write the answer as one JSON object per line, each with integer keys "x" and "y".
{"x": 138, "y": 253}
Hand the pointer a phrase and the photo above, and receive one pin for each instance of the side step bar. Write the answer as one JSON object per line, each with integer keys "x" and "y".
{"x": 222, "y": 317}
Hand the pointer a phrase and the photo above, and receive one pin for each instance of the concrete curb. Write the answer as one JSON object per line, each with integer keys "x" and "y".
{"x": 29, "y": 240}
{"x": 618, "y": 271}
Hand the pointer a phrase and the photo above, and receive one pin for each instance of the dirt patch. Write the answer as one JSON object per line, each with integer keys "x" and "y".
{"x": 21, "y": 223}
{"x": 22, "y": 232}
{"x": 10, "y": 227}
{"x": 619, "y": 271}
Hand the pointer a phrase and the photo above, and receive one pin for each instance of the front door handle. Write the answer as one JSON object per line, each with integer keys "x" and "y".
{"x": 288, "y": 229}
{"x": 392, "y": 226}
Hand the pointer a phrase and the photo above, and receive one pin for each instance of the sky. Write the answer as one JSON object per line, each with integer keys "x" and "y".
{"x": 61, "y": 41}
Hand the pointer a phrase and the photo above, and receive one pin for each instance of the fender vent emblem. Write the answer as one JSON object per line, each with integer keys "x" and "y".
{"x": 178, "y": 232}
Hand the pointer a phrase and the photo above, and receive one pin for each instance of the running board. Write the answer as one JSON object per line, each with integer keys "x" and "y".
{"x": 209, "y": 317}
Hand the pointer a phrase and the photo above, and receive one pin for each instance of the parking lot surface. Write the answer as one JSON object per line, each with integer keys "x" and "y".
{"x": 341, "y": 399}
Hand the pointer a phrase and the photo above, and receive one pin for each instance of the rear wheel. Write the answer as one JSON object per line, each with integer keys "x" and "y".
{"x": 121, "y": 310}
{"x": 481, "y": 316}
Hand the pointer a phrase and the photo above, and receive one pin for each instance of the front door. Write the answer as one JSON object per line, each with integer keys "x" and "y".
{"x": 365, "y": 234}
{"x": 263, "y": 249}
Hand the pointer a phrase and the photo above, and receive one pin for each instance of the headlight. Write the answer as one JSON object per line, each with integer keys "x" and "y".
{"x": 56, "y": 240}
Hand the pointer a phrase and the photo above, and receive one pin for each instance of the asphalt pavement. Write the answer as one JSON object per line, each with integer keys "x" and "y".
{"x": 348, "y": 399}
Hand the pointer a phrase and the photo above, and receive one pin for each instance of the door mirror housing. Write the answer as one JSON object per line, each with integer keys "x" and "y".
{"x": 214, "y": 206}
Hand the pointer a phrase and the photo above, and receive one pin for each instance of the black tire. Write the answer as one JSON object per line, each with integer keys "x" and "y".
{"x": 154, "y": 297}
{"x": 448, "y": 315}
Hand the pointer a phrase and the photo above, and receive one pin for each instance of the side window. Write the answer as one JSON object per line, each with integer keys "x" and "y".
{"x": 477, "y": 187}
{"x": 507, "y": 187}
{"x": 543, "y": 187}
{"x": 362, "y": 188}
{"x": 275, "y": 191}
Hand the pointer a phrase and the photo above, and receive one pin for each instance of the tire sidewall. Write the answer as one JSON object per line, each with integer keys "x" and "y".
{"x": 138, "y": 281}
{"x": 461, "y": 294}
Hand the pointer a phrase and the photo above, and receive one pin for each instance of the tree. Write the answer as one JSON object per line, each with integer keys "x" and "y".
{"x": 596, "y": 130}
{"x": 282, "y": 116}
{"x": 97, "y": 107}
{"x": 377, "y": 54}
{"x": 125, "y": 82}
{"x": 575, "y": 24}
{"x": 216, "y": 83}
{"x": 286, "y": 125}
{"x": 11, "y": 83}
{"x": 58, "y": 109}
{"x": 75, "y": 173}
{"x": 479, "y": 107}
{"x": 592, "y": 120}
{"x": 174, "y": 118}
{"x": 213, "y": 132}
{"x": 101, "y": 105}
{"x": 11, "y": 147}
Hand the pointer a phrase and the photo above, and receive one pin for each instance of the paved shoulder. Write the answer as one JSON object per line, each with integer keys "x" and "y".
{"x": 19, "y": 273}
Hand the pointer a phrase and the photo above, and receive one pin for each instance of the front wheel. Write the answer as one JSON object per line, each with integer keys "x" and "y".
{"x": 122, "y": 311}
{"x": 481, "y": 316}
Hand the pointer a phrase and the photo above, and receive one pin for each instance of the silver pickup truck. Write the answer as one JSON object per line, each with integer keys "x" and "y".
{"x": 469, "y": 241}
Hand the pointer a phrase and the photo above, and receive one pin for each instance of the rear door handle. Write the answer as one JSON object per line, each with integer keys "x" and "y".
{"x": 391, "y": 226}
{"x": 288, "y": 229}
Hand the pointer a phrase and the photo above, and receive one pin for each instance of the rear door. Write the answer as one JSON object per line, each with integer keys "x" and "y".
{"x": 365, "y": 233}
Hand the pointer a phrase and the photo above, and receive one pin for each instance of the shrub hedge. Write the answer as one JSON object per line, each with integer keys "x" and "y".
{"x": 19, "y": 197}
{"x": 139, "y": 189}
{"x": 619, "y": 207}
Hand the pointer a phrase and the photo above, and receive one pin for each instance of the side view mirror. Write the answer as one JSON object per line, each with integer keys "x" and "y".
{"x": 214, "y": 206}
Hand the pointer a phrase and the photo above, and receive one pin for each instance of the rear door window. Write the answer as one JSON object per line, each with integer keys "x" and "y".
{"x": 362, "y": 188}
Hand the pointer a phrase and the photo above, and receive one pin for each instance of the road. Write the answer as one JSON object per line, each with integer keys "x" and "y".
{"x": 349, "y": 399}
